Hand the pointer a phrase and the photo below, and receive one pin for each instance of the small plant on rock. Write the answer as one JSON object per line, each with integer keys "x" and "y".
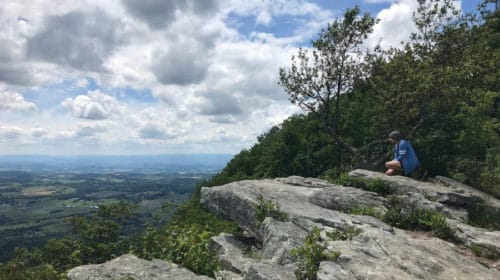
{"x": 268, "y": 208}
{"x": 373, "y": 185}
{"x": 409, "y": 217}
{"x": 310, "y": 255}
{"x": 346, "y": 234}
{"x": 367, "y": 211}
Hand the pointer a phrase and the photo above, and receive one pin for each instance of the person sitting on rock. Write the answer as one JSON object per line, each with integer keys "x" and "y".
{"x": 405, "y": 160}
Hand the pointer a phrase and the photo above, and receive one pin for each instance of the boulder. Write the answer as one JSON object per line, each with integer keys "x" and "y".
{"x": 279, "y": 238}
{"x": 379, "y": 252}
{"x": 452, "y": 193}
{"x": 483, "y": 242}
{"x": 231, "y": 252}
{"x": 346, "y": 198}
{"x": 269, "y": 271}
{"x": 376, "y": 254}
{"x": 129, "y": 266}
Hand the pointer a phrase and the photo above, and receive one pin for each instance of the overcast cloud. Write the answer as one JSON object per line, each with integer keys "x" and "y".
{"x": 155, "y": 76}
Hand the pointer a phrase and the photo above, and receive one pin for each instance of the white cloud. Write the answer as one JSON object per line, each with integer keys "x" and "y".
{"x": 38, "y": 132}
{"x": 396, "y": 24}
{"x": 93, "y": 106}
{"x": 10, "y": 133}
{"x": 153, "y": 130}
{"x": 215, "y": 85}
{"x": 14, "y": 101}
{"x": 86, "y": 130}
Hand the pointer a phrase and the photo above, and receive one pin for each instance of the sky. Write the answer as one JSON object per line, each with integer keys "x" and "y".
{"x": 125, "y": 77}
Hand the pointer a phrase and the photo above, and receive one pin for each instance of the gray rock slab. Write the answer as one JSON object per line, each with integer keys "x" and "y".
{"x": 346, "y": 198}
{"x": 132, "y": 266}
{"x": 270, "y": 272}
{"x": 376, "y": 254}
{"x": 279, "y": 238}
{"x": 451, "y": 194}
{"x": 480, "y": 238}
{"x": 236, "y": 202}
{"x": 230, "y": 250}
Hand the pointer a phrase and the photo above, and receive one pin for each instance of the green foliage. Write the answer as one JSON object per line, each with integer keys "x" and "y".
{"x": 296, "y": 147}
{"x": 181, "y": 244}
{"x": 310, "y": 255}
{"x": 373, "y": 185}
{"x": 185, "y": 240}
{"x": 92, "y": 240}
{"x": 481, "y": 215}
{"x": 486, "y": 252}
{"x": 268, "y": 208}
{"x": 368, "y": 211}
{"x": 346, "y": 234}
{"x": 408, "y": 217}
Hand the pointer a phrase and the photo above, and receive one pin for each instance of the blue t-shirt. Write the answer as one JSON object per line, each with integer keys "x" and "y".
{"x": 405, "y": 154}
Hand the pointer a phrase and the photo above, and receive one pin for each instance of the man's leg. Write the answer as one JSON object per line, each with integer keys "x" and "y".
{"x": 393, "y": 167}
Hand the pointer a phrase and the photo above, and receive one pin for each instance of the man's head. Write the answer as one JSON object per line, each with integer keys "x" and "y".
{"x": 394, "y": 137}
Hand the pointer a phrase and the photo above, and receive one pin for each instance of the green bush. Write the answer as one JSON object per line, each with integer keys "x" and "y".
{"x": 184, "y": 245}
{"x": 310, "y": 255}
{"x": 485, "y": 252}
{"x": 373, "y": 185}
{"x": 481, "y": 215}
{"x": 268, "y": 208}
{"x": 346, "y": 234}
{"x": 368, "y": 211}
{"x": 417, "y": 219}
{"x": 186, "y": 239}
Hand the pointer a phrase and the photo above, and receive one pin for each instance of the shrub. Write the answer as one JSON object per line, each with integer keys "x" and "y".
{"x": 373, "y": 185}
{"x": 310, "y": 255}
{"x": 368, "y": 211}
{"x": 480, "y": 215}
{"x": 268, "y": 208}
{"x": 486, "y": 252}
{"x": 418, "y": 219}
{"x": 184, "y": 245}
{"x": 346, "y": 234}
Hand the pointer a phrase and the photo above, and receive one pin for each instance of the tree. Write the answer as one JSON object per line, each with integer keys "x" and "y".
{"x": 316, "y": 80}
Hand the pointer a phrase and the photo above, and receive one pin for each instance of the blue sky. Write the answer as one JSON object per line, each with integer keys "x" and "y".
{"x": 154, "y": 76}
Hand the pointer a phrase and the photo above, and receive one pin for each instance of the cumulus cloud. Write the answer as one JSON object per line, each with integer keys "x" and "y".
{"x": 396, "y": 24}
{"x": 14, "y": 101}
{"x": 9, "y": 133}
{"x": 153, "y": 130}
{"x": 159, "y": 13}
{"x": 182, "y": 65}
{"x": 93, "y": 106}
{"x": 264, "y": 11}
{"x": 88, "y": 130}
{"x": 79, "y": 39}
{"x": 38, "y": 132}
{"x": 220, "y": 104}
{"x": 211, "y": 67}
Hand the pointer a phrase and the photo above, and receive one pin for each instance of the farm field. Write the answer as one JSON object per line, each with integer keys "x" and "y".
{"x": 35, "y": 205}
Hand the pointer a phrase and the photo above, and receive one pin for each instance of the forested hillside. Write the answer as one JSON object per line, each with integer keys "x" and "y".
{"x": 441, "y": 90}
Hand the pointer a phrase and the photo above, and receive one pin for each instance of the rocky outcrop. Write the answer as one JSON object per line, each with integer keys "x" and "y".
{"x": 378, "y": 252}
{"x": 374, "y": 250}
{"x": 445, "y": 190}
{"x": 131, "y": 267}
